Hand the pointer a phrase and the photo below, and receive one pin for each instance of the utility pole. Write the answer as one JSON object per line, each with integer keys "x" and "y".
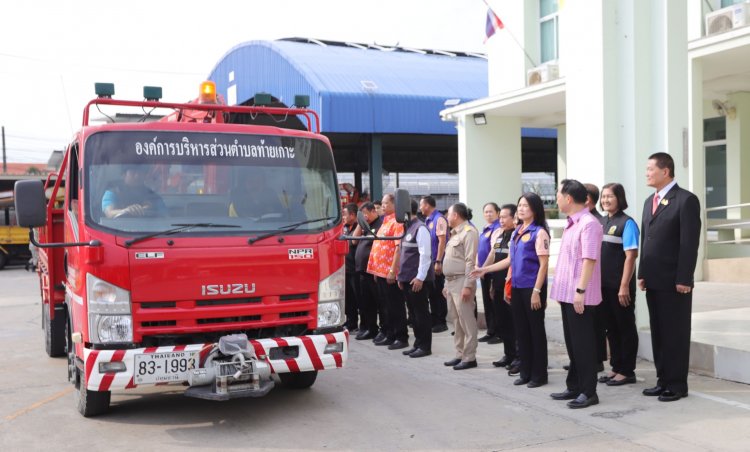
{"x": 5, "y": 165}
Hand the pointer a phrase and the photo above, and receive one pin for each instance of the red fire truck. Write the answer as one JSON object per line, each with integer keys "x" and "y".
{"x": 191, "y": 251}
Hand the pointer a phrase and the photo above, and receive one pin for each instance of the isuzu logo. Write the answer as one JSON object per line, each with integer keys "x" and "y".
{"x": 227, "y": 289}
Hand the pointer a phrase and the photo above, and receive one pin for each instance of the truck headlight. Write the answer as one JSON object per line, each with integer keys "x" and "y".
{"x": 110, "y": 319}
{"x": 331, "y": 296}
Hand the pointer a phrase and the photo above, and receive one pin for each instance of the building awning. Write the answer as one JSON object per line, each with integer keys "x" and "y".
{"x": 538, "y": 106}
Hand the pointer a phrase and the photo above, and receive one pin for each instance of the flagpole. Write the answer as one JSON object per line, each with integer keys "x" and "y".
{"x": 512, "y": 36}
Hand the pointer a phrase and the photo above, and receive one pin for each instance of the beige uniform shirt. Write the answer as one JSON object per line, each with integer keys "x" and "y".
{"x": 461, "y": 253}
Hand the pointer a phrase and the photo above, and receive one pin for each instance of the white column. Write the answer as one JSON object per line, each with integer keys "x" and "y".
{"x": 491, "y": 170}
{"x": 696, "y": 151}
{"x": 562, "y": 152}
{"x": 738, "y": 156}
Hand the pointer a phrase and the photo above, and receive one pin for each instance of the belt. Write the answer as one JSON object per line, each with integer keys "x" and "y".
{"x": 453, "y": 278}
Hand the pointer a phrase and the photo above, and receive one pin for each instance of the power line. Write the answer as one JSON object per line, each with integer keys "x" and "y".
{"x": 109, "y": 68}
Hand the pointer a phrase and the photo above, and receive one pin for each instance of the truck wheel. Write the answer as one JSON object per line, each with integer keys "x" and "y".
{"x": 88, "y": 403}
{"x": 299, "y": 380}
{"x": 54, "y": 333}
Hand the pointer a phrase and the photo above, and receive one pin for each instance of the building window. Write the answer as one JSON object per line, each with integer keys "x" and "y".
{"x": 548, "y": 29}
{"x": 725, "y": 3}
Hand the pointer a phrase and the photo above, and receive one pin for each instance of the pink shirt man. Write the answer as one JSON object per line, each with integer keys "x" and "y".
{"x": 582, "y": 239}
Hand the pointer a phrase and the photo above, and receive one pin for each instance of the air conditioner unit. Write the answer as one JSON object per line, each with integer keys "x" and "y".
{"x": 542, "y": 74}
{"x": 728, "y": 18}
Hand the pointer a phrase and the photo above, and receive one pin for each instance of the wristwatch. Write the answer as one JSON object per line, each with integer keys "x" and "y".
{"x": 580, "y": 290}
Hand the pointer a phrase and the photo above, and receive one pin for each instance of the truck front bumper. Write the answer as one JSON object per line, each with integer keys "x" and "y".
{"x": 286, "y": 354}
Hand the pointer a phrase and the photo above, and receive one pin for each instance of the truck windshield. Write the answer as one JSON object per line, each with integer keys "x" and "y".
{"x": 141, "y": 182}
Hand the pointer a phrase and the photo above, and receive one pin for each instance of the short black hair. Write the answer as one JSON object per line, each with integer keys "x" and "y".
{"x": 378, "y": 202}
{"x": 511, "y": 207}
{"x": 593, "y": 192}
{"x": 367, "y": 206}
{"x": 414, "y": 206}
{"x": 663, "y": 160}
{"x": 429, "y": 200}
{"x": 352, "y": 208}
{"x": 461, "y": 210}
{"x": 575, "y": 189}
{"x": 619, "y": 191}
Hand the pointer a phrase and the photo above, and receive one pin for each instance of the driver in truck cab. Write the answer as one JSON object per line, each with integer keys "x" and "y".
{"x": 130, "y": 197}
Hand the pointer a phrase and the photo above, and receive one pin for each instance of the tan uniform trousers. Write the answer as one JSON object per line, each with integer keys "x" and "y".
{"x": 464, "y": 322}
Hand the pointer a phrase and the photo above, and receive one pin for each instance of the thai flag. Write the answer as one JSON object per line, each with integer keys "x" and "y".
{"x": 493, "y": 24}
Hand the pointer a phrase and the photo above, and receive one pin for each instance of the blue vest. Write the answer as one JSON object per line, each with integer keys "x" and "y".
{"x": 524, "y": 261}
{"x": 410, "y": 255}
{"x": 483, "y": 249}
{"x": 431, "y": 223}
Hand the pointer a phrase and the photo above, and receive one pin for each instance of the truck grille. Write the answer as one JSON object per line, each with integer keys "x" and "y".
{"x": 201, "y": 317}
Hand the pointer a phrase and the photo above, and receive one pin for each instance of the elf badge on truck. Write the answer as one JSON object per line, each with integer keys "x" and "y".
{"x": 198, "y": 250}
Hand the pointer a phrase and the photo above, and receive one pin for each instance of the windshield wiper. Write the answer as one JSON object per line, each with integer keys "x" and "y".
{"x": 179, "y": 228}
{"x": 286, "y": 228}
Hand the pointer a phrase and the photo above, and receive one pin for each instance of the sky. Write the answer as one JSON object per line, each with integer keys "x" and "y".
{"x": 53, "y": 51}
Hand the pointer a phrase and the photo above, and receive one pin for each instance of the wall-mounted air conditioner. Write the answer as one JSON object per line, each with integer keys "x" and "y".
{"x": 728, "y": 18}
{"x": 542, "y": 74}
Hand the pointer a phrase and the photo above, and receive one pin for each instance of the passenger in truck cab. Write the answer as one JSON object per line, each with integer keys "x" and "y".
{"x": 253, "y": 197}
{"x": 130, "y": 197}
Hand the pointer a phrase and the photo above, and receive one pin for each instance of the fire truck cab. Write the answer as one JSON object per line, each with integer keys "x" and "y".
{"x": 191, "y": 251}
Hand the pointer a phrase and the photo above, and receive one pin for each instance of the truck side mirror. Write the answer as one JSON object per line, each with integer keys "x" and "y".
{"x": 31, "y": 203}
{"x": 403, "y": 205}
{"x": 362, "y": 222}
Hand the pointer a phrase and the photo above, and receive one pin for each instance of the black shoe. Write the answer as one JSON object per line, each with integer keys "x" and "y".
{"x": 514, "y": 370}
{"x": 504, "y": 361}
{"x": 397, "y": 344}
{"x": 484, "y": 338}
{"x": 410, "y": 351}
{"x": 671, "y": 396}
{"x": 364, "y": 335}
{"x": 440, "y": 328}
{"x": 420, "y": 353}
{"x": 379, "y": 337}
{"x": 535, "y": 384}
{"x": 604, "y": 379}
{"x": 495, "y": 340}
{"x": 565, "y": 395}
{"x": 452, "y": 362}
{"x": 521, "y": 381}
{"x": 600, "y": 367}
{"x": 385, "y": 341}
{"x": 655, "y": 391}
{"x": 465, "y": 365}
{"x": 582, "y": 401}
{"x": 624, "y": 381}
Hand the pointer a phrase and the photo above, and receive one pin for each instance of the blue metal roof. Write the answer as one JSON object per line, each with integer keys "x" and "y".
{"x": 355, "y": 90}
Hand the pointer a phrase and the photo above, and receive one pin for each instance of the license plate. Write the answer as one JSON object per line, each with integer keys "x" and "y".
{"x": 162, "y": 367}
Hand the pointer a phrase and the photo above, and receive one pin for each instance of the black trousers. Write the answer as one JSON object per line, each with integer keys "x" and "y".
{"x": 421, "y": 318}
{"x": 395, "y": 310}
{"x": 531, "y": 334}
{"x": 368, "y": 302}
{"x": 438, "y": 304}
{"x": 600, "y": 331}
{"x": 622, "y": 332}
{"x": 670, "y": 315}
{"x": 580, "y": 340}
{"x": 504, "y": 318}
{"x": 352, "y": 301}
{"x": 490, "y": 317}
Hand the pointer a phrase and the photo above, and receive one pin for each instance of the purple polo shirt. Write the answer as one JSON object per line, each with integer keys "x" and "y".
{"x": 582, "y": 239}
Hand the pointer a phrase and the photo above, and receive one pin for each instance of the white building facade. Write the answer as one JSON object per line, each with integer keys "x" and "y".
{"x": 620, "y": 80}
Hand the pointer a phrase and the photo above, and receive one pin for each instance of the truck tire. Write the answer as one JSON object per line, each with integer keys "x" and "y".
{"x": 88, "y": 403}
{"x": 298, "y": 380}
{"x": 54, "y": 333}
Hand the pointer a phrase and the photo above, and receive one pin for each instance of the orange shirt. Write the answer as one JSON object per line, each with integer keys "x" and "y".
{"x": 383, "y": 251}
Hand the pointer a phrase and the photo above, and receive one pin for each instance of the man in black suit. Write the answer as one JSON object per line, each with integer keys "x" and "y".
{"x": 670, "y": 234}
